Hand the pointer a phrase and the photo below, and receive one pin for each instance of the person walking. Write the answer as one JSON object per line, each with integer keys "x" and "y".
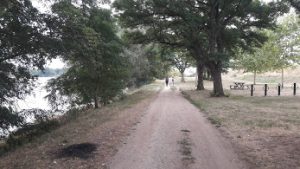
{"x": 167, "y": 81}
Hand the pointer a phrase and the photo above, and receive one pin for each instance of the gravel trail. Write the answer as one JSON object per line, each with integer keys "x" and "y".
{"x": 173, "y": 134}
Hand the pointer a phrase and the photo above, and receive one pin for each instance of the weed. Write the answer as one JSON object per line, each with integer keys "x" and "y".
{"x": 215, "y": 120}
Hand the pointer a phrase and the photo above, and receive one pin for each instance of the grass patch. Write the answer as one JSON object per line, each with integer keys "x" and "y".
{"x": 265, "y": 130}
{"x": 248, "y": 112}
{"x": 199, "y": 104}
{"x": 215, "y": 120}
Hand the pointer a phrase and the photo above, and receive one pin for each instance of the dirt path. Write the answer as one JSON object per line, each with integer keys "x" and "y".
{"x": 175, "y": 135}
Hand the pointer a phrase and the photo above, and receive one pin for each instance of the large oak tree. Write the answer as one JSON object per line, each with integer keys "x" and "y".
{"x": 211, "y": 30}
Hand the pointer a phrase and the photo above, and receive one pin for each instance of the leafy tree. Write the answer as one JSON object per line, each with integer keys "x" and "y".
{"x": 287, "y": 42}
{"x": 236, "y": 23}
{"x": 157, "y": 56}
{"x": 151, "y": 21}
{"x": 140, "y": 72}
{"x": 210, "y": 30}
{"x": 279, "y": 52}
{"x": 146, "y": 64}
{"x": 181, "y": 60}
{"x": 24, "y": 44}
{"x": 97, "y": 71}
{"x": 259, "y": 61}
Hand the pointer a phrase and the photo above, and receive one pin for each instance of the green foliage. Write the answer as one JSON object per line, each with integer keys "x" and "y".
{"x": 25, "y": 44}
{"x": 147, "y": 62}
{"x": 210, "y": 30}
{"x": 259, "y": 60}
{"x": 97, "y": 71}
{"x": 279, "y": 52}
{"x": 140, "y": 67}
{"x": 287, "y": 40}
{"x": 159, "y": 65}
{"x": 181, "y": 59}
{"x": 7, "y": 119}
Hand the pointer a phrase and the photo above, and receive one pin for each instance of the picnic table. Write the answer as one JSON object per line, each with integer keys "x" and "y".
{"x": 239, "y": 86}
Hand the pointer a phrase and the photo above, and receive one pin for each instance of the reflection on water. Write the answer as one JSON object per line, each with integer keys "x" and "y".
{"x": 36, "y": 100}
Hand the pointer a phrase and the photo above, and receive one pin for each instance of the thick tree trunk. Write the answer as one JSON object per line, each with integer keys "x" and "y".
{"x": 216, "y": 72}
{"x": 200, "y": 71}
{"x": 182, "y": 77}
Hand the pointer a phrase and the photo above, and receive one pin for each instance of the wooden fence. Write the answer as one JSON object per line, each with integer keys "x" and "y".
{"x": 265, "y": 89}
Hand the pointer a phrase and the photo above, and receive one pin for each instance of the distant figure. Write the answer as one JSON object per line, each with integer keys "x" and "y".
{"x": 167, "y": 81}
{"x": 173, "y": 81}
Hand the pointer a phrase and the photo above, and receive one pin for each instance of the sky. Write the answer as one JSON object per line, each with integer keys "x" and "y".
{"x": 55, "y": 64}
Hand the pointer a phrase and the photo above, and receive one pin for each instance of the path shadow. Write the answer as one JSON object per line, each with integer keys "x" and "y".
{"x": 83, "y": 151}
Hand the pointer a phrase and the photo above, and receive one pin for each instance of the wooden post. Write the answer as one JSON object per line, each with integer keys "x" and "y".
{"x": 278, "y": 90}
{"x": 252, "y": 88}
{"x": 295, "y": 88}
{"x": 266, "y": 89}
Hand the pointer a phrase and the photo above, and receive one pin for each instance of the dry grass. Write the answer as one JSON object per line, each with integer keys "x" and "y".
{"x": 105, "y": 128}
{"x": 266, "y": 130}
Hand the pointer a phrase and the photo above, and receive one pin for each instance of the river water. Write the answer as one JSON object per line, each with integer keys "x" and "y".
{"x": 36, "y": 99}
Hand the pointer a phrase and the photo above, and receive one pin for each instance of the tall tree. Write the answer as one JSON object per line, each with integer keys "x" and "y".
{"x": 181, "y": 59}
{"x": 278, "y": 53}
{"x": 236, "y": 23}
{"x": 287, "y": 42}
{"x": 259, "y": 60}
{"x": 210, "y": 30}
{"x": 147, "y": 62}
{"x": 97, "y": 71}
{"x": 153, "y": 21}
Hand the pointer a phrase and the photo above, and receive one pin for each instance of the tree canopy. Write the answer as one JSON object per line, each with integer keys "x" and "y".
{"x": 210, "y": 30}
{"x": 97, "y": 70}
{"x": 279, "y": 52}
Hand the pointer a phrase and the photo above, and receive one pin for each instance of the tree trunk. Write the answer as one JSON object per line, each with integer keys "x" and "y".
{"x": 200, "y": 71}
{"x": 216, "y": 72}
{"x": 254, "y": 78}
{"x": 182, "y": 77}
